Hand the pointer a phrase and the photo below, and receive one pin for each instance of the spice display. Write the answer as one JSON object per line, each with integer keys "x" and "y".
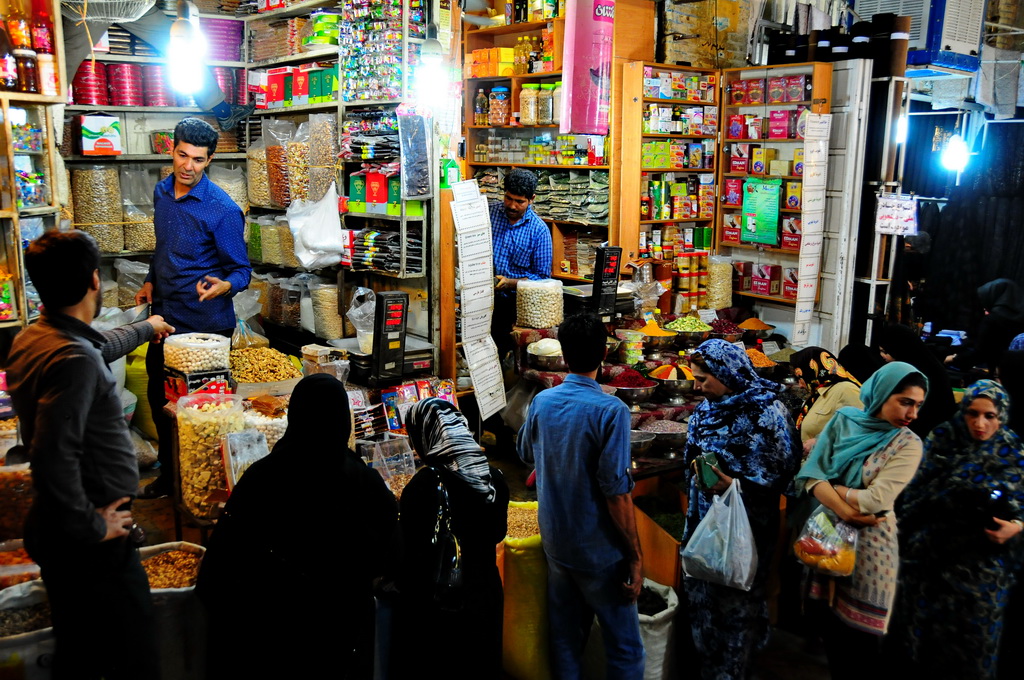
{"x": 97, "y": 193}
{"x": 522, "y": 522}
{"x": 755, "y": 324}
{"x": 327, "y": 323}
{"x": 15, "y": 500}
{"x": 260, "y": 365}
{"x": 195, "y": 352}
{"x": 172, "y": 569}
{"x": 631, "y": 378}
{"x": 298, "y": 163}
{"x": 202, "y": 420}
{"x": 759, "y": 360}
{"x": 539, "y": 303}
{"x": 671, "y": 372}
{"x": 688, "y": 324}
{"x": 652, "y": 329}
{"x": 783, "y": 355}
{"x": 323, "y": 154}
{"x": 270, "y": 243}
{"x": 725, "y": 327}
{"x": 259, "y": 183}
{"x": 24, "y": 619}
{"x": 662, "y": 426}
{"x": 271, "y": 427}
{"x": 719, "y": 284}
{"x": 163, "y": 142}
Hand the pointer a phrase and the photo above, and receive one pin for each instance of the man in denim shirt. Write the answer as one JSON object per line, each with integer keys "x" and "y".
{"x": 578, "y": 438}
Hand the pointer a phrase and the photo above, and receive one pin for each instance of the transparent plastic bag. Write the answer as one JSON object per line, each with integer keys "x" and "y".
{"x": 327, "y": 322}
{"x": 539, "y": 304}
{"x": 259, "y": 181}
{"x": 316, "y": 231}
{"x": 719, "y": 282}
{"x": 232, "y": 180}
{"x": 131, "y": 276}
{"x": 415, "y": 132}
{"x": 197, "y": 352}
{"x": 721, "y": 549}
{"x": 270, "y": 241}
{"x": 247, "y": 306}
{"x": 297, "y": 152}
{"x": 395, "y": 462}
{"x": 362, "y": 309}
{"x": 323, "y": 153}
{"x": 202, "y": 420}
{"x": 276, "y": 134}
{"x": 826, "y": 544}
{"x": 240, "y": 450}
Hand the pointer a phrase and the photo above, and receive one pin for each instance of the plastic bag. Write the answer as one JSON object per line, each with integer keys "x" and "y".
{"x": 323, "y": 154}
{"x": 270, "y": 240}
{"x": 277, "y": 133}
{"x": 722, "y": 549}
{"x": 539, "y": 304}
{"x": 362, "y": 309}
{"x": 254, "y": 242}
{"x": 247, "y": 306}
{"x": 259, "y": 181}
{"x": 415, "y": 133}
{"x": 826, "y": 544}
{"x": 327, "y": 323}
{"x": 297, "y": 152}
{"x": 316, "y": 229}
{"x": 232, "y": 180}
{"x": 131, "y": 276}
{"x": 517, "y": 403}
{"x": 524, "y": 571}
{"x": 240, "y": 450}
{"x": 719, "y": 282}
{"x": 395, "y": 463}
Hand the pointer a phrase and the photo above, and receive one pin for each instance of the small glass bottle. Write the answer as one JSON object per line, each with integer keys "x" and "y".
{"x": 28, "y": 70}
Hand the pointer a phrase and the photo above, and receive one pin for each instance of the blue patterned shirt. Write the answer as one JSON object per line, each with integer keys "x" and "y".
{"x": 521, "y": 250}
{"x": 200, "y": 234}
{"x": 578, "y": 468}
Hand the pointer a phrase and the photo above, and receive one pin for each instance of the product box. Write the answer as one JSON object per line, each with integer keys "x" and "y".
{"x": 357, "y": 191}
{"x": 710, "y": 117}
{"x": 755, "y": 91}
{"x": 498, "y": 55}
{"x": 651, "y": 87}
{"x": 738, "y": 92}
{"x": 776, "y": 90}
{"x": 376, "y": 193}
{"x": 759, "y": 160}
{"x": 314, "y": 74}
{"x": 696, "y": 155}
{"x": 178, "y": 384}
{"x": 300, "y": 87}
{"x": 798, "y": 162}
{"x": 394, "y": 194}
{"x": 733, "y": 195}
{"x": 779, "y": 168}
{"x": 329, "y": 84}
{"x": 793, "y": 195}
{"x": 767, "y": 279}
{"x": 780, "y": 124}
{"x": 743, "y": 275}
{"x": 737, "y": 124}
{"x": 796, "y": 88}
{"x": 258, "y": 87}
{"x": 731, "y": 229}
{"x": 790, "y": 283}
{"x": 791, "y": 233}
{"x": 739, "y": 164}
{"x": 664, "y": 85}
{"x": 100, "y": 135}
{"x": 279, "y": 87}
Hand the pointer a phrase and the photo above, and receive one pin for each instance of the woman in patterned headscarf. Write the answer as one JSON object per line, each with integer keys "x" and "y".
{"x": 477, "y": 499}
{"x": 750, "y": 432}
{"x": 960, "y": 535}
{"x": 831, "y": 387}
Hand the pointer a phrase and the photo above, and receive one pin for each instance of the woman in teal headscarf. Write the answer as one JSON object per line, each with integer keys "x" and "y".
{"x": 861, "y": 462}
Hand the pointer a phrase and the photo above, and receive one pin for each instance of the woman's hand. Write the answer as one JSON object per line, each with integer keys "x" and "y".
{"x": 808, "y": 446}
{"x": 724, "y": 481}
{"x": 1004, "y": 533}
{"x": 858, "y": 519}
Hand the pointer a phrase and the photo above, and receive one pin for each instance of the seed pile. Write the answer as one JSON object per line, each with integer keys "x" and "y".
{"x": 195, "y": 352}
{"x": 259, "y": 183}
{"x": 298, "y": 170}
{"x": 172, "y": 569}
{"x": 277, "y": 175}
{"x": 719, "y": 285}
{"x": 260, "y": 365}
{"x": 662, "y": 426}
{"x": 755, "y": 324}
{"x": 688, "y": 324}
{"x": 522, "y": 522}
{"x": 539, "y": 303}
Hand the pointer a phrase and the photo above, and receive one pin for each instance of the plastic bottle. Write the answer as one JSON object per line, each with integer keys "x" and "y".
{"x": 42, "y": 27}
{"x": 528, "y": 104}
{"x": 28, "y": 71}
{"x": 8, "y": 64}
{"x": 556, "y": 103}
{"x": 498, "y": 106}
{"x": 646, "y": 206}
{"x": 480, "y": 107}
{"x": 19, "y": 26}
{"x": 536, "y": 54}
{"x": 545, "y": 105}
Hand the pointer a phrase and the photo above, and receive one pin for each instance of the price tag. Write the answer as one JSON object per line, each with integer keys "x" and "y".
{"x": 770, "y": 347}
{"x": 739, "y": 343}
{"x": 707, "y": 315}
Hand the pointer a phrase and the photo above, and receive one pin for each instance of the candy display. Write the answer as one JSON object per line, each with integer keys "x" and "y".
{"x": 27, "y": 137}
{"x": 202, "y": 421}
{"x": 272, "y": 427}
{"x": 89, "y": 85}
{"x": 156, "y": 86}
{"x": 370, "y": 61}
{"x": 127, "y": 80}
{"x": 163, "y": 141}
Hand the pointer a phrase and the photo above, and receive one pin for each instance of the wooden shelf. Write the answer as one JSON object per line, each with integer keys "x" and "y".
{"x": 770, "y": 298}
{"x": 694, "y": 219}
{"x": 127, "y": 253}
{"x": 316, "y": 55}
{"x": 676, "y": 135}
{"x": 753, "y": 246}
{"x": 18, "y": 98}
{"x": 305, "y": 108}
{"x": 758, "y": 141}
{"x": 487, "y": 164}
{"x": 747, "y": 174}
{"x": 538, "y": 76}
{"x": 138, "y": 157}
{"x": 509, "y": 127}
{"x": 39, "y": 210}
{"x": 690, "y": 102}
{"x": 293, "y": 10}
{"x": 796, "y": 211}
{"x": 488, "y": 79}
{"x": 134, "y": 109}
{"x": 524, "y": 27}
{"x": 10, "y": 323}
{"x": 571, "y": 223}
{"x": 691, "y": 171}
{"x": 133, "y": 59}
{"x": 805, "y": 102}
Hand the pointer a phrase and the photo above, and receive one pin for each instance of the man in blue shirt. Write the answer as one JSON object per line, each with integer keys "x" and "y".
{"x": 522, "y": 250}
{"x": 199, "y": 264}
{"x": 578, "y": 438}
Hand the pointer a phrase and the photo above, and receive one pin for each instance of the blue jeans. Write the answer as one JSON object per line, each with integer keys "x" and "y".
{"x": 574, "y": 598}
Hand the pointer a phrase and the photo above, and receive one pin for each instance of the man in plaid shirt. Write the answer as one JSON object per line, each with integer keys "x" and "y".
{"x": 522, "y": 250}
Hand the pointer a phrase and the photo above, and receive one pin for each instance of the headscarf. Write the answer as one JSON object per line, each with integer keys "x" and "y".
{"x": 904, "y": 345}
{"x": 820, "y": 369}
{"x": 854, "y": 434}
{"x": 319, "y": 418}
{"x": 1017, "y": 344}
{"x": 861, "y": 361}
{"x": 440, "y": 434}
{"x": 1003, "y": 298}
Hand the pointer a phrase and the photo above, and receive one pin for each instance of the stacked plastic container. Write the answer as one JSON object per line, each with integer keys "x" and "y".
{"x": 89, "y": 85}
{"x": 156, "y": 86}
{"x": 224, "y": 38}
{"x": 128, "y": 89}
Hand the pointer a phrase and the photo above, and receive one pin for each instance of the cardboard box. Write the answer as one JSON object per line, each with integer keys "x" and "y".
{"x": 376, "y": 190}
{"x": 794, "y": 192}
{"x": 798, "y": 162}
{"x": 759, "y": 160}
{"x": 790, "y": 283}
{"x": 779, "y": 168}
{"x": 733, "y": 195}
{"x": 178, "y": 384}
{"x": 776, "y": 90}
{"x": 743, "y": 274}
{"x": 767, "y": 279}
{"x": 279, "y": 87}
{"x": 257, "y": 84}
{"x": 357, "y": 192}
{"x": 792, "y": 232}
{"x": 737, "y": 124}
{"x": 780, "y": 124}
{"x": 300, "y": 87}
{"x": 100, "y": 135}
{"x": 739, "y": 164}
{"x": 796, "y": 89}
{"x": 731, "y": 228}
{"x": 696, "y": 155}
{"x": 755, "y": 91}
{"x": 738, "y": 92}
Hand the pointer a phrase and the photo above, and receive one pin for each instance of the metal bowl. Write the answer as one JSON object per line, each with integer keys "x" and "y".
{"x": 669, "y": 441}
{"x": 753, "y": 336}
{"x": 691, "y": 338}
{"x": 548, "y": 362}
{"x": 728, "y": 337}
{"x": 766, "y": 371}
{"x": 662, "y": 356}
{"x": 640, "y": 442}
{"x": 675, "y": 390}
{"x": 659, "y": 341}
{"x": 634, "y": 396}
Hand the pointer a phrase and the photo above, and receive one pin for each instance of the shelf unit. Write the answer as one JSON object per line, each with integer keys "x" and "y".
{"x": 819, "y": 88}
{"x": 639, "y": 110}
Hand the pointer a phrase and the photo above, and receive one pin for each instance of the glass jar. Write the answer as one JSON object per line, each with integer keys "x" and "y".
{"x": 28, "y": 70}
{"x": 556, "y": 103}
{"x": 47, "y": 75}
{"x": 499, "y": 106}
{"x": 545, "y": 104}
{"x": 528, "y": 102}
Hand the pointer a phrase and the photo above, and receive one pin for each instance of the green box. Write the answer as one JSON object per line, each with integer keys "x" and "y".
{"x": 662, "y": 161}
{"x": 395, "y": 189}
{"x": 662, "y": 148}
{"x": 357, "y": 188}
{"x": 288, "y": 89}
{"x": 330, "y": 83}
{"x": 316, "y": 77}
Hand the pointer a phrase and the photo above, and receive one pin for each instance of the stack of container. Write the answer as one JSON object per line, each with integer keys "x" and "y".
{"x": 156, "y": 86}
{"x": 89, "y": 85}
{"x": 224, "y": 38}
{"x": 127, "y": 90}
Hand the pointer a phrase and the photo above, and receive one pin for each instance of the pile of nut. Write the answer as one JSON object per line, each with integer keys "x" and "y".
{"x": 172, "y": 569}
{"x": 522, "y": 522}
{"x": 277, "y": 175}
{"x": 719, "y": 285}
{"x": 97, "y": 197}
{"x": 272, "y": 428}
{"x": 323, "y": 154}
{"x": 233, "y": 184}
{"x": 298, "y": 170}
{"x": 24, "y": 619}
{"x": 270, "y": 244}
{"x": 259, "y": 185}
{"x": 200, "y": 429}
{"x": 261, "y": 365}
{"x": 539, "y": 303}
{"x": 327, "y": 323}
{"x": 397, "y": 483}
{"x": 139, "y": 235}
{"x": 196, "y": 352}
{"x": 288, "y": 257}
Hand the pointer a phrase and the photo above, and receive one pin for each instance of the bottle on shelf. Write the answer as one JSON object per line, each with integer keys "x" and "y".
{"x": 28, "y": 70}
{"x": 556, "y": 103}
{"x": 8, "y": 63}
{"x": 42, "y": 27}
{"x": 545, "y": 104}
{"x": 646, "y": 205}
{"x": 480, "y": 107}
{"x": 517, "y": 56}
{"x": 19, "y": 25}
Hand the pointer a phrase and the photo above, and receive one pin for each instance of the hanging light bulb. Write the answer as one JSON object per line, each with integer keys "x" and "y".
{"x": 431, "y": 75}
{"x": 186, "y": 53}
{"x": 955, "y": 155}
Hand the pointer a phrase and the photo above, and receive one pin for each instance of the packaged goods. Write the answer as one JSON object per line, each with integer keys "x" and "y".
{"x": 270, "y": 241}
{"x": 131, "y": 276}
{"x": 197, "y": 352}
{"x": 719, "y": 283}
{"x": 259, "y": 183}
{"x": 277, "y": 133}
{"x": 98, "y": 208}
{"x": 261, "y": 365}
{"x": 242, "y": 449}
{"x": 232, "y": 180}
{"x": 109, "y": 294}
{"x": 327, "y": 322}
{"x": 539, "y": 303}
{"x": 298, "y": 163}
{"x": 323, "y": 154}
{"x": 202, "y": 421}
{"x": 172, "y": 569}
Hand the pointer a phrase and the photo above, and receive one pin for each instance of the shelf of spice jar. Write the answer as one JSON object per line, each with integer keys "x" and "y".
{"x": 523, "y": 27}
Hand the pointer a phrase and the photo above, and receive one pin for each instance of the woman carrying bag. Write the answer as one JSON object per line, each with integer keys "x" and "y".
{"x": 831, "y": 387}
{"x": 861, "y": 462}
{"x": 748, "y": 430}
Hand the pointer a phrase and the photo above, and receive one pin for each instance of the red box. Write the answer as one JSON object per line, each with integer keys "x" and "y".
{"x": 730, "y": 234}
{"x": 737, "y": 126}
{"x": 755, "y": 91}
{"x": 300, "y": 87}
{"x": 739, "y": 164}
{"x": 767, "y": 279}
{"x": 178, "y": 384}
{"x": 777, "y": 90}
{"x": 742, "y": 275}
{"x": 780, "y": 124}
{"x": 792, "y": 233}
{"x": 796, "y": 89}
{"x": 733, "y": 192}
{"x": 738, "y": 92}
{"x": 790, "y": 284}
{"x": 376, "y": 188}
{"x": 276, "y": 86}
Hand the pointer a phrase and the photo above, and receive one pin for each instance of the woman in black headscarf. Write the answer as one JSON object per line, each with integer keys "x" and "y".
{"x": 1003, "y": 302}
{"x": 861, "y": 361}
{"x": 477, "y": 499}
{"x": 287, "y": 578}
{"x": 900, "y": 343}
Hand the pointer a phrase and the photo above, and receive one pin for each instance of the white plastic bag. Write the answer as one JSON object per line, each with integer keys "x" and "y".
{"x": 316, "y": 229}
{"x": 722, "y": 549}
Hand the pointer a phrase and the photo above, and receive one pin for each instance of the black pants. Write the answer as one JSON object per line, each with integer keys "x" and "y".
{"x": 101, "y": 610}
{"x": 502, "y": 321}
{"x": 157, "y": 400}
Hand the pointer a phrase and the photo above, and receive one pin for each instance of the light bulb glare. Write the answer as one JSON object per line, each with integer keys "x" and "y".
{"x": 955, "y": 155}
